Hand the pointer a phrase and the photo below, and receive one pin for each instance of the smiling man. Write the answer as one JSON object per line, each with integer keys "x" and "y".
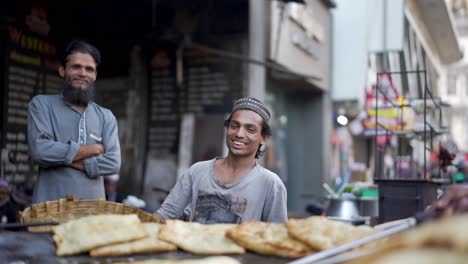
{"x": 235, "y": 188}
{"x": 72, "y": 139}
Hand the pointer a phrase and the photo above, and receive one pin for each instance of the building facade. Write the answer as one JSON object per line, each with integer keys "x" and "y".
{"x": 413, "y": 40}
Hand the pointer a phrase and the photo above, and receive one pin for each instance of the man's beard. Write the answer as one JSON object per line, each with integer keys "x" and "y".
{"x": 77, "y": 95}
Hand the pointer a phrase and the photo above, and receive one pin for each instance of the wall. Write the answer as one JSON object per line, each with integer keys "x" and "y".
{"x": 303, "y": 43}
{"x": 307, "y": 147}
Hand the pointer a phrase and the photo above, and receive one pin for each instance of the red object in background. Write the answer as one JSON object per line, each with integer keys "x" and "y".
{"x": 383, "y": 139}
{"x": 334, "y": 137}
{"x": 387, "y": 91}
{"x": 445, "y": 158}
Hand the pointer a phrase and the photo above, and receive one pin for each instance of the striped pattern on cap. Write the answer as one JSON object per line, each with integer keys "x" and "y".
{"x": 253, "y": 104}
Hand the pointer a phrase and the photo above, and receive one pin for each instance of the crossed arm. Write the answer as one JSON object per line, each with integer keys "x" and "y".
{"x": 86, "y": 151}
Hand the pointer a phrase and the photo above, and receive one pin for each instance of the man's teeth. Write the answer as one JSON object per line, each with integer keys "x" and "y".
{"x": 239, "y": 143}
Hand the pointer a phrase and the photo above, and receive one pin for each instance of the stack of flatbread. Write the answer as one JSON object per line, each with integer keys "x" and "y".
{"x": 117, "y": 235}
{"x": 200, "y": 239}
{"x": 108, "y": 235}
{"x": 440, "y": 241}
{"x": 321, "y": 233}
{"x": 149, "y": 244}
{"x": 269, "y": 239}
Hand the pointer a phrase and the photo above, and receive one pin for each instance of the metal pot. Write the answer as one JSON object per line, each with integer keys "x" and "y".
{"x": 345, "y": 208}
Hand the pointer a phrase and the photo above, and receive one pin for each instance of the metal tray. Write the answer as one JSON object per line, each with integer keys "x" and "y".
{"x": 361, "y": 220}
{"x": 26, "y": 247}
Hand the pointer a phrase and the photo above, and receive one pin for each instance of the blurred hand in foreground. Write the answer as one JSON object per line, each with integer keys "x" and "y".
{"x": 453, "y": 201}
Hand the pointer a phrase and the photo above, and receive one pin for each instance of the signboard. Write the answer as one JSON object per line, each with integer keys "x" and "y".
{"x": 210, "y": 83}
{"x": 164, "y": 105}
{"x": 27, "y": 71}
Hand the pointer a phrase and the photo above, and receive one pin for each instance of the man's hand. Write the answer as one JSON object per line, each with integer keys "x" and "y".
{"x": 90, "y": 150}
{"x": 78, "y": 165}
{"x": 159, "y": 218}
{"x": 453, "y": 201}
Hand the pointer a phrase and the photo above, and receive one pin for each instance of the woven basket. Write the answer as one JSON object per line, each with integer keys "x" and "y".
{"x": 70, "y": 208}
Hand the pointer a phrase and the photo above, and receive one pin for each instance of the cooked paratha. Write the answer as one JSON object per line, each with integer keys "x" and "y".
{"x": 447, "y": 233}
{"x": 149, "y": 244}
{"x": 268, "y": 238}
{"x": 86, "y": 233}
{"x": 322, "y": 233}
{"x": 438, "y": 241}
{"x": 200, "y": 239}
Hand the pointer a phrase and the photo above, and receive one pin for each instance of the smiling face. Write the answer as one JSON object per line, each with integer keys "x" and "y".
{"x": 79, "y": 74}
{"x": 79, "y": 71}
{"x": 244, "y": 133}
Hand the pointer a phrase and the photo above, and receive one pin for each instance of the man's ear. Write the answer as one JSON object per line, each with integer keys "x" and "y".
{"x": 264, "y": 139}
{"x": 61, "y": 71}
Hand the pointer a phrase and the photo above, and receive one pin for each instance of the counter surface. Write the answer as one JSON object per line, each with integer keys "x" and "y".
{"x": 40, "y": 248}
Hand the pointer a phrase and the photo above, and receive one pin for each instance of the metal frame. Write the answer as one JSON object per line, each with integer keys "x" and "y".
{"x": 427, "y": 128}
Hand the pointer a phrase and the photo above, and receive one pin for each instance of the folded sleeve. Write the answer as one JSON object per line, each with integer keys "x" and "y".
{"x": 44, "y": 150}
{"x": 175, "y": 203}
{"x": 109, "y": 162}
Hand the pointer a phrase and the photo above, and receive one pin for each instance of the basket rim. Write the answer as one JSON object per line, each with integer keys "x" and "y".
{"x": 25, "y": 216}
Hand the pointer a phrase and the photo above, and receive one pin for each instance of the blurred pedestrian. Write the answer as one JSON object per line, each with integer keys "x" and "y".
{"x": 8, "y": 209}
{"x": 110, "y": 185}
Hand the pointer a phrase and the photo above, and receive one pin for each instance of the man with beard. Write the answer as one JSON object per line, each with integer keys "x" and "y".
{"x": 232, "y": 189}
{"x": 72, "y": 139}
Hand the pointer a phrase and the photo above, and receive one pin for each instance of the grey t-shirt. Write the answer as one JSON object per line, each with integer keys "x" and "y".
{"x": 260, "y": 195}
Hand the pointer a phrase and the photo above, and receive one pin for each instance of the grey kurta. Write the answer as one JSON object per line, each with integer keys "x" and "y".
{"x": 55, "y": 132}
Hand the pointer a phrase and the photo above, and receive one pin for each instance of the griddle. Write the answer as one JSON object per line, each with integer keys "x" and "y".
{"x": 40, "y": 248}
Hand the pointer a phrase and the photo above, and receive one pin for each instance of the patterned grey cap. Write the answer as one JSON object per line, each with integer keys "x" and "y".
{"x": 253, "y": 104}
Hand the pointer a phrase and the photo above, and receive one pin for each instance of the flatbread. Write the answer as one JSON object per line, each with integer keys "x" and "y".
{"x": 322, "y": 233}
{"x": 86, "y": 233}
{"x": 150, "y": 244}
{"x": 438, "y": 241}
{"x": 268, "y": 238}
{"x": 200, "y": 239}
{"x": 447, "y": 233}
{"x": 208, "y": 260}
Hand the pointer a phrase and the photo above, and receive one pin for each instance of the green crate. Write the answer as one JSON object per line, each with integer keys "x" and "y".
{"x": 370, "y": 192}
